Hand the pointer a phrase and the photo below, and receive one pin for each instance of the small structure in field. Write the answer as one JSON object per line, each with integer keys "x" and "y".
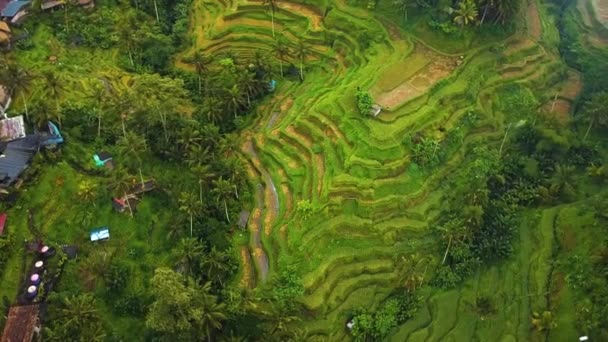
{"x": 127, "y": 203}
{"x": 21, "y": 324}
{"x": 100, "y": 234}
{"x": 376, "y": 109}
{"x": 243, "y": 219}
{"x": 104, "y": 159}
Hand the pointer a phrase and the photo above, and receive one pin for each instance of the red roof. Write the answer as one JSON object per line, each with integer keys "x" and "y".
{"x": 2, "y": 222}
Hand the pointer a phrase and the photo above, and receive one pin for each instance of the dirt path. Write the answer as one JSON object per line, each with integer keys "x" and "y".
{"x": 533, "y": 20}
{"x": 268, "y": 199}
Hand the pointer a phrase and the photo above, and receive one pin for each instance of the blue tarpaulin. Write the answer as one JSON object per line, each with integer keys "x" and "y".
{"x": 13, "y": 8}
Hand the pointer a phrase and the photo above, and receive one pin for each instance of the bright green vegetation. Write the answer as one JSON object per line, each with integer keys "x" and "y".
{"x": 472, "y": 208}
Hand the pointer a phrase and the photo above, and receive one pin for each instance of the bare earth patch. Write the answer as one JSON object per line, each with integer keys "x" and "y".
{"x": 534, "y": 26}
{"x": 248, "y": 279}
{"x": 559, "y": 111}
{"x": 439, "y": 67}
{"x": 601, "y": 11}
{"x": 572, "y": 86}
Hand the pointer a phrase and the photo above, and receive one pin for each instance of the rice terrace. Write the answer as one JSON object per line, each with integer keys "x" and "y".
{"x": 304, "y": 170}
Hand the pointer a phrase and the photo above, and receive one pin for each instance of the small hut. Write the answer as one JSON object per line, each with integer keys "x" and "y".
{"x": 103, "y": 159}
{"x": 15, "y": 11}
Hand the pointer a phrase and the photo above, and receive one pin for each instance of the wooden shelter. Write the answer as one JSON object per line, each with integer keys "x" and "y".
{"x": 21, "y": 324}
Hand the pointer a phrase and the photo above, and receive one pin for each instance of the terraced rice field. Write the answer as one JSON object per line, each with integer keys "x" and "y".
{"x": 310, "y": 143}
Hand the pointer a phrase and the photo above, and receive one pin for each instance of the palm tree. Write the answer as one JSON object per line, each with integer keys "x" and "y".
{"x": 87, "y": 190}
{"x": 212, "y": 313}
{"x": 301, "y": 52}
{"x": 486, "y": 4}
{"x": 201, "y": 66}
{"x": 213, "y": 109}
{"x": 187, "y": 253}
{"x": 188, "y": 204}
{"x": 403, "y": 6}
{"x": 411, "y": 272}
{"x": 466, "y": 13}
{"x": 281, "y": 52}
{"x": 506, "y": 9}
{"x": 54, "y": 87}
{"x": 235, "y": 97}
{"x": 248, "y": 83}
{"x": 99, "y": 97}
{"x": 222, "y": 190}
{"x": 272, "y": 7}
{"x": 216, "y": 265}
{"x": 188, "y": 137}
{"x": 121, "y": 181}
{"x": 197, "y": 155}
{"x": 131, "y": 145}
{"x": 452, "y": 230}
{"x": 562, "y": 181}
{"x": 19, "y": 80}
{"x": 78, "y": 312}
{"x": 204, "y": 173}
{"x": 596, "y": 111}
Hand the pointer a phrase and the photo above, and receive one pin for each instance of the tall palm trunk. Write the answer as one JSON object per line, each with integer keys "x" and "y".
{"x": 124, "y": 130}
{"x": 226, "y": 210}
{"x": 99, "y": 124}
{"x": 191, "y": 224}
{"x": 281, "y": 67}
{"x": 301, "y": 68}
{"x": 447, "y": 250}
{"x": 200, "y": 190}
{"x": 483, "y": 17}
{"x": 25, "y": 106}
{"x": 272, "y": 20}
{"x": 156, "y": 10}
{"x": 588, "y": 129}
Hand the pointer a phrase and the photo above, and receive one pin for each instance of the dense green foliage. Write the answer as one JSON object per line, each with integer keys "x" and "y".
{"x": 478, "y": 194}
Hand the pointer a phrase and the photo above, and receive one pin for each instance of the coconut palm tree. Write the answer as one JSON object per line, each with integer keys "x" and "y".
{"x": 302, "y": 50}
{"x": 562, "y": 181}
{"x": 189, "y": 136}
{"x": 216, "y": 265}
{"x": 99, "y": 97}
{"x": 452, "y": 230}
{"x": 271, "y": 5}
{"x": 54, "y": 87}
{"x": 189, "y": 204}
{"x": 486, "y": 5}
{"x": 466, "y": 13}
{"x": 281, "y": 52}
{"x": 87, "y": 190}
{"x": 212, "y": 312}
{"x": 187, "y": 253}
{"x": 201, "y": 66}
{"x": 19, "y": 80}
{"x": 596, "y": 111}
{"x": 131, "y": 146}
{"x": 222, "y": 189}
{"x": 235, "y": 98}
{"x": 204, "y": 173}
{"x": 78, "y": 312}
{"x": 506, "y": 9}
{"x": 247, "y": 82}
{"x": 403, "y": 6}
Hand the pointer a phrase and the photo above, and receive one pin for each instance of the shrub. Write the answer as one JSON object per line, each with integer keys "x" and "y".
{"x": 364, "y": 102}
